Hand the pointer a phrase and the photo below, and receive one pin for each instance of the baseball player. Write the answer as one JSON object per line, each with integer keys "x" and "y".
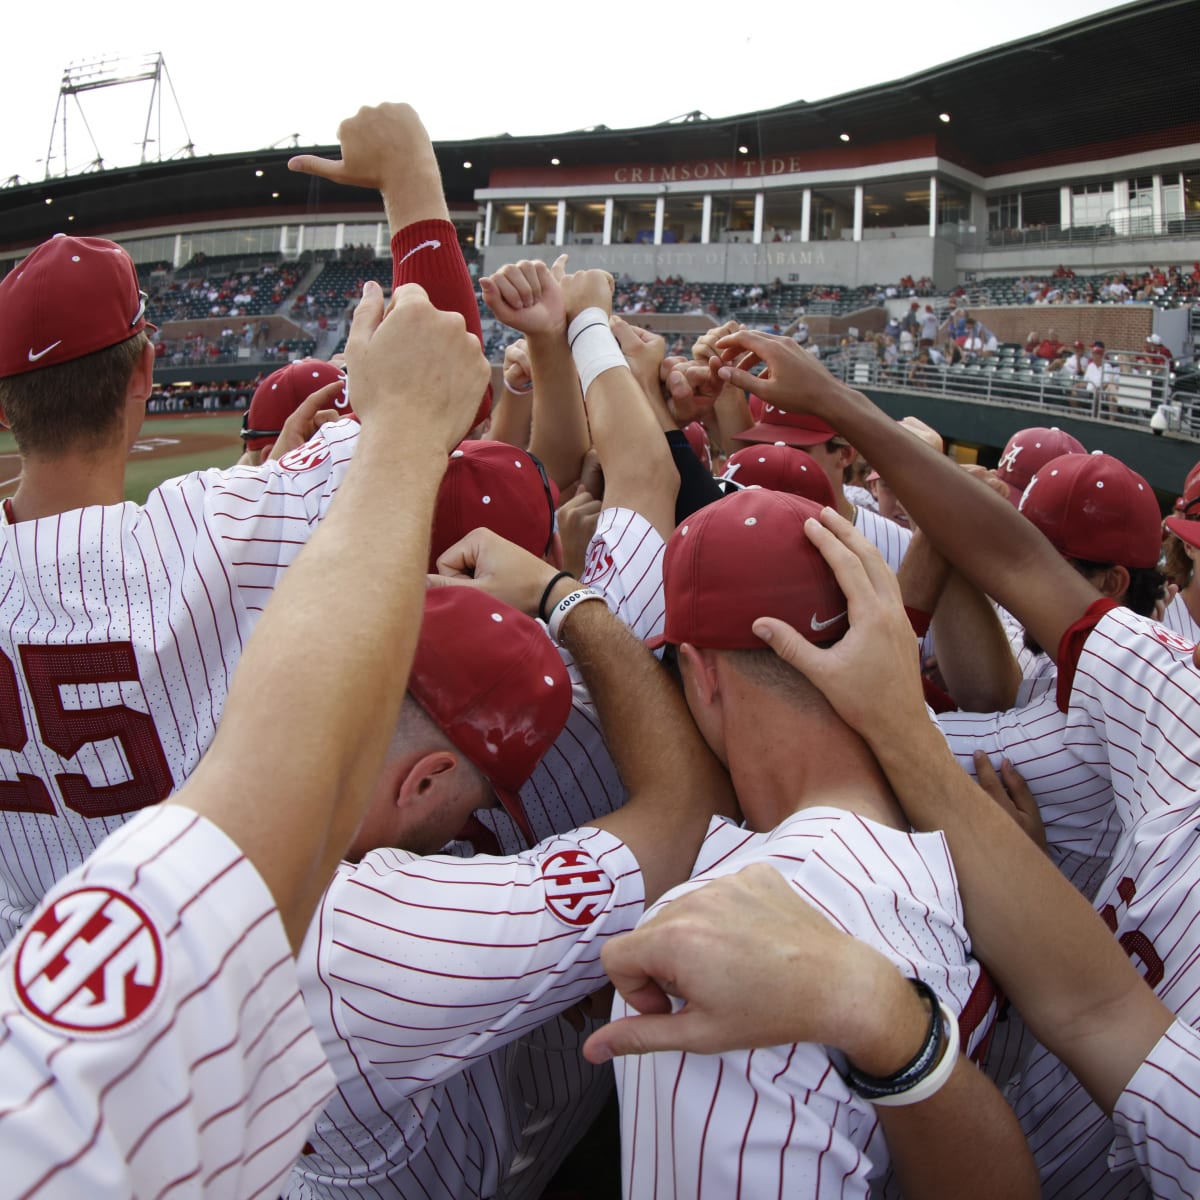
{"x": 1129, "y": 688}
{"x": 426, "y": 977}
{"x": 153, "y": 1039}
{"x": 278, "y": 397}
{"x": 782, "y": 1119}
{"x": 120, "y": 625}
{"x": 1179, "y": 552}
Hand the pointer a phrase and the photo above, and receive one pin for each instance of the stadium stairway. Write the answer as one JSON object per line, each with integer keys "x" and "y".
{"x": 301, "y": 288}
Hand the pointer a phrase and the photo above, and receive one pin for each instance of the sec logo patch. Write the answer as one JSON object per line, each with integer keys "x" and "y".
{"x": 1170, "y": 638}
{"x": 304, "y": 458}
{"x": 577, "y": 887}
{"x": 92, "y": 963}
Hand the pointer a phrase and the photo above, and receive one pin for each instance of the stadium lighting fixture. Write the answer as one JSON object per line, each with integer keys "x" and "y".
{"x": 743, "y": 149}
{"x": 258, "y": 174}
{"x": 944, "y": 118}
{"x": 845, "y": 137}
{"x": 71, "y": 217}
{"x": 274, "y": 195}
{"x": 466, "y": 166}
{"x": 49, "y": 199}
{"x": 554, "y": 162}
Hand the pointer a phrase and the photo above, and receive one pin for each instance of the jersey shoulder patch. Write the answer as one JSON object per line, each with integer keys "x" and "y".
{"x": 577, "y": 887}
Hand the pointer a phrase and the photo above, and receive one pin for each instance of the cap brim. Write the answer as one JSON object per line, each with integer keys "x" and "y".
{"x": 1184, "y": 530}
{"x": 788, "y": 434}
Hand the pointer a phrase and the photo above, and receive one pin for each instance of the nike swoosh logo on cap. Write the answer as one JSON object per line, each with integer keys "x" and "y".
{"x": 434, "y": 245}
{"x": 42, "y": 353}
{"x": 817, "y": 626}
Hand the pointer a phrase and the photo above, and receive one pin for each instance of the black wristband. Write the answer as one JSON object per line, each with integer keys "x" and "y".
{"x": 872, "y": 1087}
{"x": 541, "y": 611}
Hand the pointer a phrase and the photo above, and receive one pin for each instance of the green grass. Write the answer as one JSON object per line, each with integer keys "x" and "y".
{"x": 144, "y": 474}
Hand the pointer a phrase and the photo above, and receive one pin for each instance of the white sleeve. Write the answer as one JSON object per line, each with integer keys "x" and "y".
{"x": 1156, "y": 1118}
{"x": 625, "y": 562}
{"x": 151, "y": 1026}
{"x": 437, "y": 961}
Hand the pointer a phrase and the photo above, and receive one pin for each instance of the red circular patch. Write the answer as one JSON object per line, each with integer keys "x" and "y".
{"x": 91, "y": 963}
{"x": 1171, "y": 639}
{"x": 577, "y": 887}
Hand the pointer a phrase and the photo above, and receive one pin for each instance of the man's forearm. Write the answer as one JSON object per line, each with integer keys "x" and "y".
{"x": 559, "y": 434}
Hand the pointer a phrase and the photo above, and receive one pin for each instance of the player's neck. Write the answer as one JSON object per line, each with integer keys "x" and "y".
{"x": 70, "y": 481}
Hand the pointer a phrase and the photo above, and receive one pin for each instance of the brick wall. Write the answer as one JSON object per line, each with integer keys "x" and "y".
{"x": 1118, "y": 326}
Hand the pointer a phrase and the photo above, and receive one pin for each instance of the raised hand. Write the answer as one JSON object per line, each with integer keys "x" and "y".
{"x": 486, "y": 561}
{"x": 587, "y": 289}
{"x": 527, "y": 296}
{"x": 643, "y": 351}
{"x": 518, "y": 372}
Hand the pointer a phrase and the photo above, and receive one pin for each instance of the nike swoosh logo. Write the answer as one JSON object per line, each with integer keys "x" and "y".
{"x": 42, "y": 353}
{"x": 817, "y": 626}
{"x": 424, "y": 245}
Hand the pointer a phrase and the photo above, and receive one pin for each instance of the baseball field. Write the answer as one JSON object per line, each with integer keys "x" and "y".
{"x": 167, "y": 446}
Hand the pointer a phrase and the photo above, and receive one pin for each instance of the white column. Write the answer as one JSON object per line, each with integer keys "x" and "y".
{"x": 933, "y": 205}
{"x": 478, "y": 234}
{"x": 339, "y": 235}
{"x": 1158, "y": 204}
{"x": 660, "y": 211}
{"x": 299, "y": 240}
{"x": 560, "y": 226}
{"x": 383, "y": 239}
{"x": 759, "y": 201}
{"x": 806, "y": 215}
{"x": 706, "y": 220}
{"x": 487, "y": 225}
{"x": 858, "y": 212}
{"x": 608, "y": 221}
{"x": 177, "y": 259}
{"x": 525, "y": 226}
{"x": 1064, "y": 206}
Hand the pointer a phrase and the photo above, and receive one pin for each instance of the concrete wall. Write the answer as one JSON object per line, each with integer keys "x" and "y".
{"x": 1095, "y": 258}
{"x": 851, "y": 264}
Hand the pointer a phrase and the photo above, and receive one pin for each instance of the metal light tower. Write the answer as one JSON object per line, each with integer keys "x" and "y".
{"x": 114, "y": 71}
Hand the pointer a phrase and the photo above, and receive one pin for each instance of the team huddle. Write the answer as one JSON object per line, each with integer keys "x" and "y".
{"x": 341, "y": 787}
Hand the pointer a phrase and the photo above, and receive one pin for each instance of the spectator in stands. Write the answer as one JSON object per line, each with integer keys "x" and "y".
{"x": 1049, "y": 347}
{"x": 1101, "y": 377}
{"x": 922, "y": 373}
{"x": 929, "y": 326}
{"x": 912, "y": 320}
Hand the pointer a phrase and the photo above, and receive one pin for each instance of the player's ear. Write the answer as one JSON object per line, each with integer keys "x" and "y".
{"x": 700, "y": 671}
{"x": 1113, "y": 582}
{"x": 425, "y": 781}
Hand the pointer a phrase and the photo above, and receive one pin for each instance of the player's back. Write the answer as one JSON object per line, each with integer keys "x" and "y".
{"x": 120, "y": 627}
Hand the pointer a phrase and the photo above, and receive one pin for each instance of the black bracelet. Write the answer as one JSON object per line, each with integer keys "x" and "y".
{"x": 545, "y": 616}
{"x": 872, "y": 1087}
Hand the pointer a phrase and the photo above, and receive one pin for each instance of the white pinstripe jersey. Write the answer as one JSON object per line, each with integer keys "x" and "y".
{"x": 1178, "y": 618}
{"x": 1135, "y": 698}
{"x": 577, "y": 781}
{"x": 781, "y": 1121}
{"x": 420, "y": 974}
{"x": 1157, "y": 1129}
{"x": 119, "y": 629}
{"x": 153, "y": 1041}
{"x": 890, "y": 539}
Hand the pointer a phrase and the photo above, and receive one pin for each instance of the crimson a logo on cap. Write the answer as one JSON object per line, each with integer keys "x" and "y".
{"x": 304, "y": 458}
{"x": 91, "y": 964}
{"x": 1170, "y": 639}
{"x": 577, "y": 886}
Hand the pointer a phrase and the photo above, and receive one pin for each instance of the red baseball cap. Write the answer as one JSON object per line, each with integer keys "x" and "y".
{"x": 781, "y": 469}
{"x": 282, "y": 392}
{"x": 1030, "y": 449}
{"x": 756, "y": 404}
{"x": 788, "y": 429}
{"x": 1094, "y": 507}
{"x": 742, "y": 558}
{"x": 1184, "y": 523}
{"x": 498, "y": 487}
{"x": 492, "y": 681}
{"x": 71, "y": 297}
{"x": 697, "y": 437}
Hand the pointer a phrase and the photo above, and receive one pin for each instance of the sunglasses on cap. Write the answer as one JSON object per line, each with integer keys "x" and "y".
{"x": 248, "y": 433}
{"x": 537, "y": 462}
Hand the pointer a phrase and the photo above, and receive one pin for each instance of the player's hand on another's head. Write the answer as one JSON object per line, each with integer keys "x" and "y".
{"x": 587, "y": 289}
{"x": 1010, "y": 791}
{"x": 376, "y": 142}
{"x": 317, "y": 410}
{"x": 528, "y": 296}
{"x": 643, "y": 352}
{"x": 755, "y": 965}
{"x": 577, "y": 520}
{"x": 518, "y": 372}
{"x": 485, "y": 560}
{"x": 416, "y": 367}
{"x": 793, "y": 379}
{"x": 871, "y": 675}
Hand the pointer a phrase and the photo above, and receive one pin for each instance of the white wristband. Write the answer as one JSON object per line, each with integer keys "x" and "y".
{"x": 558, "y": 614}
{"x": 936, "y": 1079}
{"x": 593, "y": 346}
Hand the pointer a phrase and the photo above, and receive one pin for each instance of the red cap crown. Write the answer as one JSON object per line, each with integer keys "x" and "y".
{"x": 492, "y": 681}
{"x": 1184, "y": 523}
{"x": 697, "y": 437}
{"x": 498, "y": 487}
{"x": 1093, "y": 507}
{"x": 282, "y": 392}
{"x": 71, "y": 297}
{"x": 746, "y": 557}
{"x": 1028, "y": 450}
{"x": 788, "y": 428}
{"x": 781, "y": 469}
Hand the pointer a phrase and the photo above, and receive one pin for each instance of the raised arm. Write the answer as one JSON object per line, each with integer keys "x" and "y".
{"x": 1047, "y": 948}
{"x": 674, "y": 781}
{"x": 639, "y": 472}
{"x": 411, "y": 371}
{"x": 981, "y": 535}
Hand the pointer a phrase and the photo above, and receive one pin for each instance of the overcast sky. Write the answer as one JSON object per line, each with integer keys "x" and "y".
{"x": 251, "y": 74}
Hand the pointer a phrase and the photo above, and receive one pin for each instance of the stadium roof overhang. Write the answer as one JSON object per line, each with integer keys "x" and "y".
{"x": 1095, "y": 88}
